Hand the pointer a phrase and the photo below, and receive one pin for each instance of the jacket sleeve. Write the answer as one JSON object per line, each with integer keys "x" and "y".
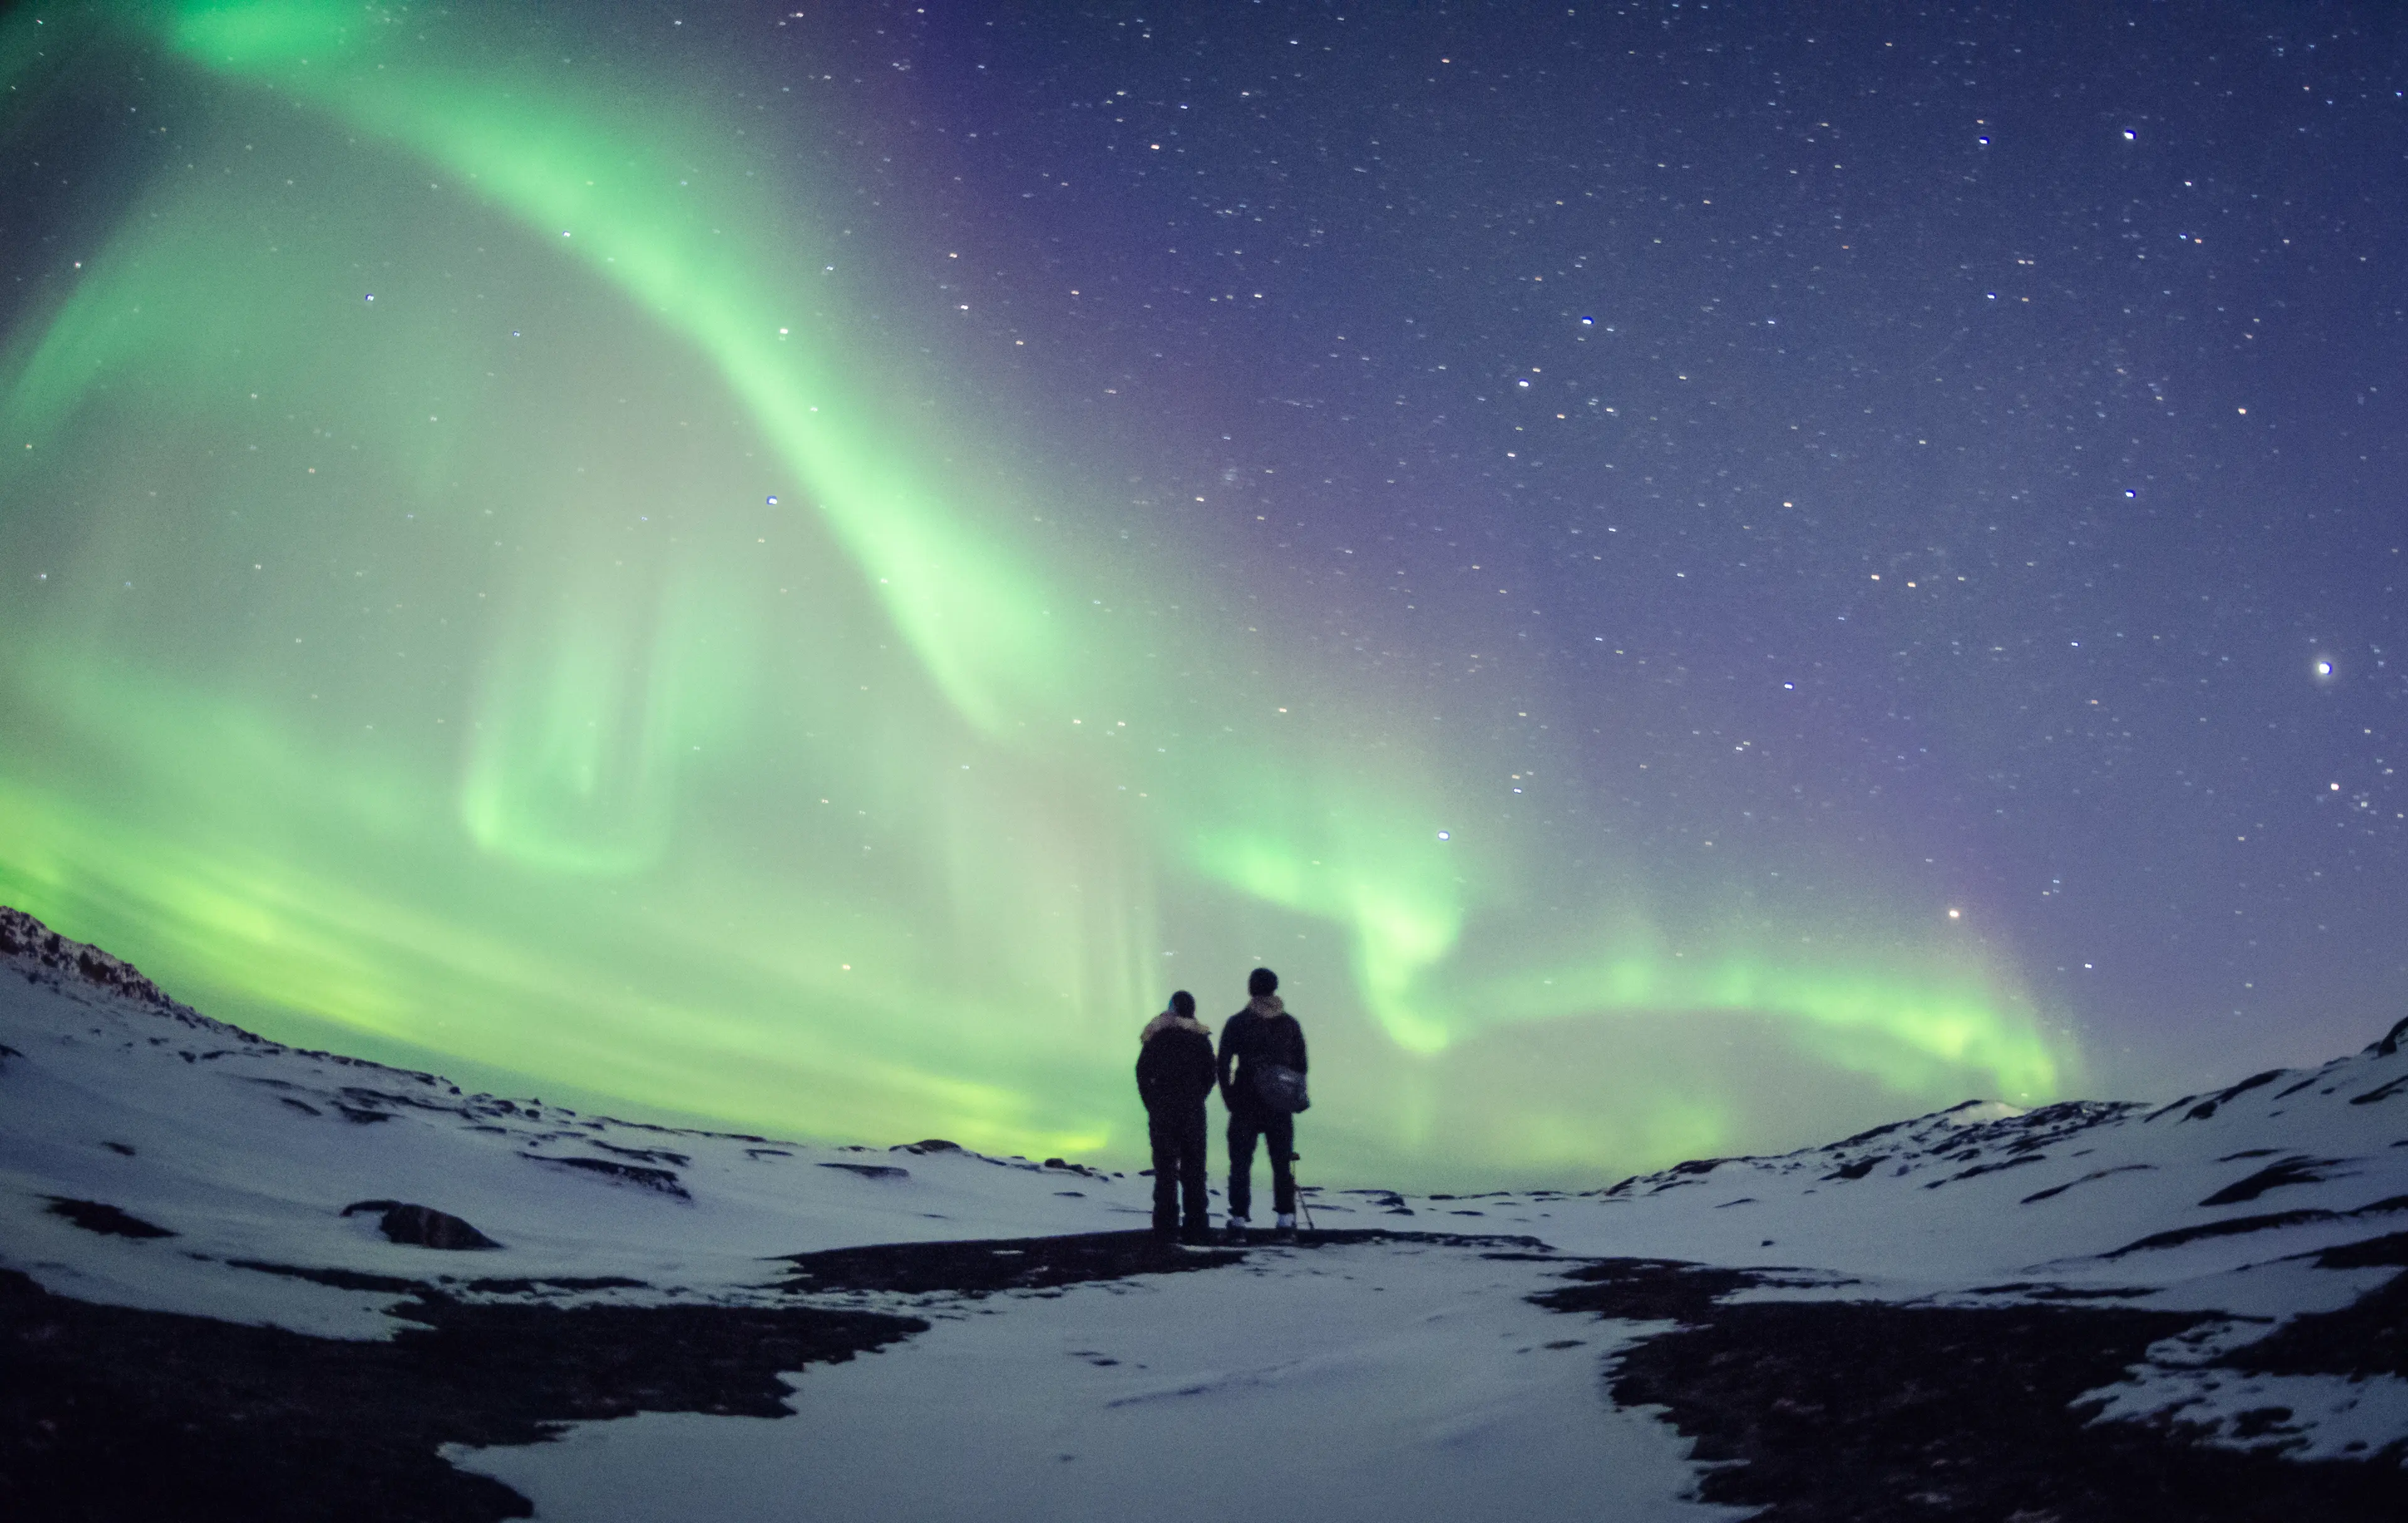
{"x": 1201, "y": 1073}
{"x": 1301, "y": 1065}
{"x": 1228, "y": 1053}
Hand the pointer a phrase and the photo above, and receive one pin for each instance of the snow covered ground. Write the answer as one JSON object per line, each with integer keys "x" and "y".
{"x": 1356, "y": 1383}
{"x": 151, "y": 1157}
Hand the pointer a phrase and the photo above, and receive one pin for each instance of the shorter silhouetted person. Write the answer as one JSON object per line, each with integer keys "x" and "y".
{"x": 1174, "y": 1073}
{"x": 1261, "y": 1073}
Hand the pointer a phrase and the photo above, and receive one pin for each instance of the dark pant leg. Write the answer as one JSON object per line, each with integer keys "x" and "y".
{"x": 1192, "y": 1131}
{"x": 1279, "y": 1135}
{"x": 1243, "y": 1127}
{"x": 1163, "y": 1132}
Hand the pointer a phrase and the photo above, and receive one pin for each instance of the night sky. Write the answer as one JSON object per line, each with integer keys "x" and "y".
{"x": 1695, "y": 577}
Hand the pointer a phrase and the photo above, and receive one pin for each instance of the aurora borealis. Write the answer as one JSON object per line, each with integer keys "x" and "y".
{"x": 1694, "y": 582}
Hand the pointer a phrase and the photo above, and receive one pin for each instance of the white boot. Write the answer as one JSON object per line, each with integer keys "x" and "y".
{"x": 1283, "y": 1227}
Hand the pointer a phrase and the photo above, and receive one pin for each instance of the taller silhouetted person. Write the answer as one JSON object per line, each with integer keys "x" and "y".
{"x": 1174, "y": 1073}
{"x": 1262, "y": 1067}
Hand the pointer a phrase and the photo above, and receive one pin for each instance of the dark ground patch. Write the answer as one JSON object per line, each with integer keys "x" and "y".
{"x": 108, "y": 1412}
{"x": 100, "y": 1216}
{"x": 1819, "y": 1412}
{"x": 2236, "y": 1225}
{"x": 2272, "y": 1177}
{"x": 979, "y": 1268}
{"x": 870, "y": 1171}
{"x": 2390, "y": 1248}
{"x": 341, "y": 1279}
{"x": 1646, "y": 1289}
{"x": 1837, "y": 1412}
{"x": 644, "y": 1175}
{"x": 2366, "y": 1338}
{"x": 985, "y": 1266}
{"x": 423, "y": 1226}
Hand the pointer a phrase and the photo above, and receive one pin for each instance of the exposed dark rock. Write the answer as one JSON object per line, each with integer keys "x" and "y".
{"x": 108, "y": 1412}
{"x": 663, "y": 1180}
{"x": 341, "y": 1279}
{"x": 119, "y": 1148}
{"x": 1881, "y": 1130}
{"x": 931, "y": 1144}
{"x": 2381, "y": 1092}
{"x": 1646, "y": 1289}
{"x": 2392, "y": 1038}
{"x": 2368, "y": 1337}
{"x": 97, "y": 1217}
{"x": 2391, "y": 1248}
{"x": 2168, "y": 1109}
{"x": 2031, "y": 1291}
{"x": 2038, "y": 1196}
{"x": 423, "y": 1226}
{"x": 870, "y": 1171}
{"x": 1979, "y": 1168}
{"x": 23, "y": 937}
{"x": 648, "y": 1155}
{"x": 2272, "y": 1177}
{"x": 1849, "y": 1413}
{"x": 2236, "y": 1225}
{"x": 2207, "y": 1108}
{"x": 983, "y": 1268}
{"x": 2226, "y": 1096}
{"x": 1857, "y": 1170}
{"x": 521, "y": 1287}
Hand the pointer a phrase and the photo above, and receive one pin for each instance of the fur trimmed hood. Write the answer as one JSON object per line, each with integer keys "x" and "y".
{"x": 1267, "y": 1006}
{"x": 1168, "y": 1021}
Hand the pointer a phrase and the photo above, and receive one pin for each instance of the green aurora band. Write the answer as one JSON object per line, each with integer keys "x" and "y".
{"x": 481, "y": 595}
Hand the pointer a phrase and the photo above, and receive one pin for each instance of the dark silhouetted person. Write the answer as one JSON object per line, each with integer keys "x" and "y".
{"x": 1260, "y": 1036}
{"x": 1174, "y": 1073}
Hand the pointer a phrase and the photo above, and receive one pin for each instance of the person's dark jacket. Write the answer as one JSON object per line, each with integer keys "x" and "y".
{"x": 1174, "y": 1063}
{"x": 1263, "y": 1032}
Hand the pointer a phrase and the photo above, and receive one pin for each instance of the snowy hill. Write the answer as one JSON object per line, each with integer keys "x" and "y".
{"x": 2100, "y": 1308}
{"x": 2278, "y": 1164}
{"x": 249, "y": 1151}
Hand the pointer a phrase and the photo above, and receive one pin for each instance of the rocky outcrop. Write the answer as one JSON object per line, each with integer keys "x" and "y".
{"x": 663, "y": 1180}
{"x": 33, "y": 946}
{"x": 100, "y": 1216}
{"x": 423, "y": 1226}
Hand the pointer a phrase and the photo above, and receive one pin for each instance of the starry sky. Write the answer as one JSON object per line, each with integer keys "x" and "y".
{"x": 1695, "y": 577}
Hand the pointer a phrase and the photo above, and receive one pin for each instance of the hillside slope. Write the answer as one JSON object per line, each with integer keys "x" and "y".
{"x": 239, "y": 1276}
